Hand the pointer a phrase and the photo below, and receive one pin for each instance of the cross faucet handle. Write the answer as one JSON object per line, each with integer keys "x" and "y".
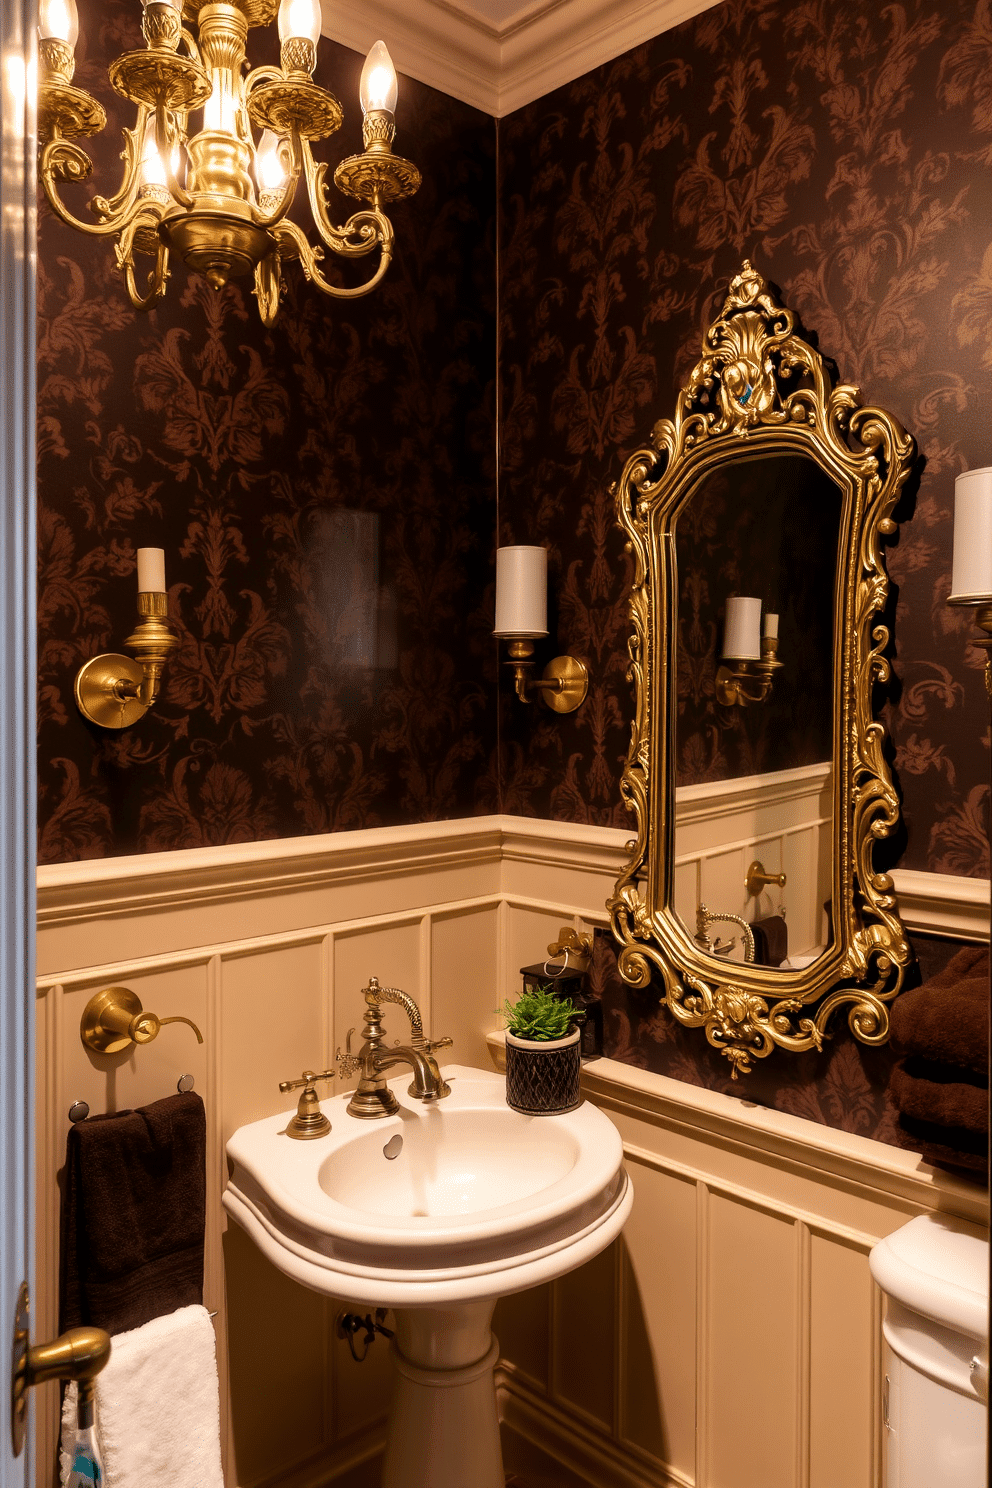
{"x": 432, "y": 1045}
{"x": 309, "y": 1120}
{"x": 308, "y": 1079}
{"x": 347, "y": 1062}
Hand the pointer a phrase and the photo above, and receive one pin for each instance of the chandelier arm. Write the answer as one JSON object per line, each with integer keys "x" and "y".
{"x": 191, "y": 47}
{"x": 103, "y": 207}
{"x": 289, "y": 191}
{"x": 288, "y": 232}
{"x": 146, "y": 220}
{"x": 61, "y": 157}
{"x": 163, "y": 144}
{"x": 372, "y": 226}
{"x": 261, "y": 75}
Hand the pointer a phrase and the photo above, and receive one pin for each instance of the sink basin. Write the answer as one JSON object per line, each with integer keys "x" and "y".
{"x": 434, "y": 1212}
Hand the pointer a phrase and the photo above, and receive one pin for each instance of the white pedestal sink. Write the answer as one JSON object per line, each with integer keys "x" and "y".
{"x": 435, "y": 1212}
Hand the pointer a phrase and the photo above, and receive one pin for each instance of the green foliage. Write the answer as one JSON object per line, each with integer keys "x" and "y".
{"x": 541, "y": 1016}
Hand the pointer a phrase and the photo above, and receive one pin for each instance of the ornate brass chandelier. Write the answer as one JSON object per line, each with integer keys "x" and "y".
{"x": 212, "y": 194}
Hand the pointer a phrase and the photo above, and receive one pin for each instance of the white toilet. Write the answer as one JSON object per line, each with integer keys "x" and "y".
{"x": 935, "y": 1275}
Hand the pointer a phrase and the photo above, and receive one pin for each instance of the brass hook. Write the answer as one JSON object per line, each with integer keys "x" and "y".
{"x": 114, "y": 1018}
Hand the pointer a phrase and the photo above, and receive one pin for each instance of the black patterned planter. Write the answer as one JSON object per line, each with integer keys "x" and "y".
{"x": 542, "y": 1079}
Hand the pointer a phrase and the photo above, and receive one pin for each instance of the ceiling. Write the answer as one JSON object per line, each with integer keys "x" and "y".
{"x": 499, "y": 54}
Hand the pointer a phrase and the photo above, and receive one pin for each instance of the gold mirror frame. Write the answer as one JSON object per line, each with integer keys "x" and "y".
{"x": 758, "y": 381}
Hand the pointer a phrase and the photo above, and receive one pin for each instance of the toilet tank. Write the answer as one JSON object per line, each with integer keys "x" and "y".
{"x": 935, "y": 1276}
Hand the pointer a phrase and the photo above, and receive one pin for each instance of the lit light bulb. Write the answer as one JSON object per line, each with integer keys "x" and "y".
{"x": 57, "y": 20}
{"x": 377, "y": 88}
{"x": 221, "y": 108}
{"x": 173, "y": 4}
{"x": 152, "y": 169}
{"x": 269, "y": 170}
{"x": 299, "y": 18}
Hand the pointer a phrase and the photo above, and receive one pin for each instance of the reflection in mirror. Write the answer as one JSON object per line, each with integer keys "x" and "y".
{"x": 756, "y": 545}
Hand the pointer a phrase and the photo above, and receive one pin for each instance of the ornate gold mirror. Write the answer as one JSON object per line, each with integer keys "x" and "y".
{"x": 756, "y": 768}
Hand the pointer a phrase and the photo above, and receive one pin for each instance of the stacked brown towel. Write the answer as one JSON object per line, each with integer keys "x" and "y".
{"x": 133, "y": 1213}
{"x": 941, "y": 1085}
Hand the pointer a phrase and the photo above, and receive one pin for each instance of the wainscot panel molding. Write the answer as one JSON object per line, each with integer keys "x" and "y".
{"x": 746, "y": 1256}
{"x": 499, "y": 56}
{"x": 266, "y": 947}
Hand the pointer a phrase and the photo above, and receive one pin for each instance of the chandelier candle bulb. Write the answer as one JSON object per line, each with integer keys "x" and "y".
{"x": 742, "y": 629}
{"x": 299, "y": 18}
{"x": 58, "y": 21}
{"x": 377, "y": 88}
{"x": 521, "y": 591}
{"x": 971, "y": 578}
{"x": 151, "y": 570}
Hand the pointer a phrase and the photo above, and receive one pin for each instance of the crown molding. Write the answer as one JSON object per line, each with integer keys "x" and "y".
{"x": 501, "y": 66}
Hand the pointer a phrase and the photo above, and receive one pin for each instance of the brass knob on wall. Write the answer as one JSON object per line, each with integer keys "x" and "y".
{"x": 757, "y": 879}
{"x": 114, "y": 1018}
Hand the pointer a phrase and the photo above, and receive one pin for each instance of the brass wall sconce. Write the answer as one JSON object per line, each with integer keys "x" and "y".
{"x": 971, "y": 577}
{"x": 522, "y": 618}
{"x": 212, "y": 193}
{"x": 752, "y": 652}
{"x": 114, "y": 1019}
{"x": 756, "y": 880}
{"x": 113, "y": 691}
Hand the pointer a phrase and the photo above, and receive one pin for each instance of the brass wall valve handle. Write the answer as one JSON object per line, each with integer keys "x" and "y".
{"x": 114, "y": 1019}
{"x": 309, "y": 1121}
{"x": 757, "y": 879}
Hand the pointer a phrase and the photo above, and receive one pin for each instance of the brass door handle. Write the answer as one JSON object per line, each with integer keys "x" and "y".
{"x": 77, "y": 1355}
{"x": 114, "y": 1018}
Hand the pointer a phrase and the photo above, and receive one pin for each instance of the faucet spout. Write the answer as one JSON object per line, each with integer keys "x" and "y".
{"x": 373, "y": 1098}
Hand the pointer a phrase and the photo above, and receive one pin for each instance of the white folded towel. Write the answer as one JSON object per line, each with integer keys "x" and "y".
{"x": 157, "y": 1407}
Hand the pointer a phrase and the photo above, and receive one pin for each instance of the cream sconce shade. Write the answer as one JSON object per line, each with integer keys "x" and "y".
{"x": 971, "y": 573}
{"x": 114, "y": 691}
{"x": 751, "y": 649}
{"x": 522, "y": 618}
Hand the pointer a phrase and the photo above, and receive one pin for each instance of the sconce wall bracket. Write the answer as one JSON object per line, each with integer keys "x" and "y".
{"x": 748, "y": 681}
{"x": 563, "y": 684}
{"x": 114, "y": 691}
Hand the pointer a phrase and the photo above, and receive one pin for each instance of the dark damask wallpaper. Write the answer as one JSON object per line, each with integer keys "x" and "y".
{"x": 845, "y": 148}
{"x": 325, "y": 495}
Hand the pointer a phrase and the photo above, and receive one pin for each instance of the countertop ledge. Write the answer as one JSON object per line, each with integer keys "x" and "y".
{"x": 738, "y": 1122}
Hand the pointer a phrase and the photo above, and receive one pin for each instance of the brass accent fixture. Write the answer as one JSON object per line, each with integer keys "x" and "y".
{"x": 562, "y": 685}
{"x": 373, "y": 1098}
{"x": 758, "y": 390}
{"x": 706, "y": 917}
{"x": 756, "y": 879}
{"x": 78, "y": 1354}
{"x": 212, "y": 192}
{"x": 114, "y": 1019}
{"x": 113, "y": 691}
{"x": 309, "y": 1121}
{"x": 571, "y": 942}
{"x": 749, "y": 681}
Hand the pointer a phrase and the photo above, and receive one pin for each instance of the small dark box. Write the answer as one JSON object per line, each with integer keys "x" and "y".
{"x": 570, "y": 982}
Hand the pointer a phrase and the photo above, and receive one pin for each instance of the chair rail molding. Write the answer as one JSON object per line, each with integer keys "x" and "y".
{"x": 101, "y": 889}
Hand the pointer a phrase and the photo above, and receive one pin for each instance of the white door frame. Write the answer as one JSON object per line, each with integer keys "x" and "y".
{"x": 18, "y": 796}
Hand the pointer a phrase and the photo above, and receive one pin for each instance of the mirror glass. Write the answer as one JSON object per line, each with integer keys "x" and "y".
{"x": 756, "y": 740}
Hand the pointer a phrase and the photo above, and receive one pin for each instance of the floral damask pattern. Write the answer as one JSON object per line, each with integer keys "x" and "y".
{"x": 349, "y": 451}
{"x": 844, "y": 148}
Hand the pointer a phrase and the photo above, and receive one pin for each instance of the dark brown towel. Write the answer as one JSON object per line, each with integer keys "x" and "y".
{"x": 947, "y": 1019}
{"x": 937, "y": 1093}
{"x": 133, "y": 1213}
{"x": 771, "y": 940}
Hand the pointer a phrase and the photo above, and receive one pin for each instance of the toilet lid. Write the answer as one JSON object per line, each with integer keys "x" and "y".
{"x": 939, "y": 1267}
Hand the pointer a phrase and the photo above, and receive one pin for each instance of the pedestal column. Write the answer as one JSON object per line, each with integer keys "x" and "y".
{"x": 443, "y": 1429}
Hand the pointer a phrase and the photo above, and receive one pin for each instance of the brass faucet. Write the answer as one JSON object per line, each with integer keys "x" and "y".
{"x": 706, "y": 917}
{"x": 373, "y": 1098}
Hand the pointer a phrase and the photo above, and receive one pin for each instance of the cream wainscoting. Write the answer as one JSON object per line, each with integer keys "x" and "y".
{"x": 744, "y": 1260}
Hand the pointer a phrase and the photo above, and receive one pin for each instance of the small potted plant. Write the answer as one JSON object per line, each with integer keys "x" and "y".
{"x": 542, "y": 1053}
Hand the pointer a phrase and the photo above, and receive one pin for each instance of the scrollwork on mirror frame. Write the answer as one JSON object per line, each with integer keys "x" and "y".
{"x": 759, "y": 385}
